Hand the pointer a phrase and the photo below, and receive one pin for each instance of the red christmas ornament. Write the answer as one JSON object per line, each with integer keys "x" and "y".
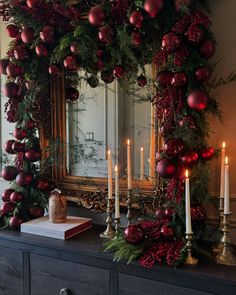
{"x": 152, "y": 7}
{"x": 194, "y": 33}
{"x": 207, "y": 49}
{"x": 9, "y": 173}
{"x": 119, "y": 72}
{"x": 166, "y": 168}
{"x": 207, "y": 153}
{"x": 72, "y": 94}
{"x": 136, "y": 38}
{"x": 21, "y": 53}
{"x": 24, "y": 179}
{"x": 27, "y": 35}
{"x": 36, "y": 212}
{"x": 167, "y": 231}
{"x": 198, "y": 99}
{"x": 3, "y": 66}
{"x": 174, "y": 147}
{"x": 106, "y": 34}
{"x": 179, "y": 79}
{"x": 136, "y": 19}
{"x": 32, "y": 156}
{"x": 15, "y": 222}
{"x": 190, "y": 158}
{"x": 33, "y": 3}
{"x": 11, "y": 90}
{"x": 179, "y": 4}
{"x": 100, "y": 65}
{"x": 142, "y": 81}
{"x": 19, "y": 133}
{"x": 42, "y": 184}
{"x": 202, "y": 74}
{"x": 164, "y": 78}
{"x": 96, "y": 16}
{"x": 54, "y": 70}
{"x": 12, "y": 31}
{"x": 8, "y": 146}
{"x": 170, "y": 42}
{"x": 13, "y": 70}
{"x": 18, "y": 147}
{"x": 75, "y": 48}
{"x": 41, "y": 50}
{"x": 187, "y": 121}
{"x": 16, "y": 197}
{"x": 30, "y": 124}
{"x": 7, "y": 207}
{"x": 159, "y": 213}
{"x": 133, "y": 234}
{"x": 107, "y": 77}
{"x": 70, "y": 63}
{"x": 47, "y": 34}
{"x": 6, "y": 194}
{"x": 169, "y": 212}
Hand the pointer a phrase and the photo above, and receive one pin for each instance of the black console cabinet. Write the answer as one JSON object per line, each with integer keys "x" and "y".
{"x": 33, "y": 265}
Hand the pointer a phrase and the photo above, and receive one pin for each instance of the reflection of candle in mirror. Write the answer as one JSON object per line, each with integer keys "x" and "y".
{"x": 222, "y": 175}
{"x": 149, "y": 169}
{"x": 226, "y": 193}
{"x": 141, "y": 163}
{"x": 187, "y": 204}
{"x": 109, "y": 175}
{"x": 117, "y": 199}
{"x": 129, "y": 175}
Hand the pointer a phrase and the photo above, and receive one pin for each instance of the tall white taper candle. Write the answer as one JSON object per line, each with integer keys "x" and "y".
{"x": 222, "y": 172}
{"x": 226, "y": 194}
{"x": 187, "y": 204}
{"x": 129, "y": 174}
{"x": 117, "y": 198}
{"x": 141, "y": 163}
{"x": 109, "y": 175}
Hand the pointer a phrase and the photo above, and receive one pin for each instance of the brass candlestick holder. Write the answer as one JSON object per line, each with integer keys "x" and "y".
{"x": 109, "y": 232}
{"x": 129, "y": 203}
{"x": 190, "y": 260}
{"x": 117, "y": 226}
{"x": 226, "y": 256}
{"x": 219, "y": 246}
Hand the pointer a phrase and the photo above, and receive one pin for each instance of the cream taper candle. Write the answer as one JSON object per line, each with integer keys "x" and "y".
{"x": 129, "y": 174}
{"x": 141, "y": 163}
{"x": 187, "y": 204}
{"x": 117, "y": 198}
{"x": 109, "y": 174}
{"x": 222, "y": 171}
{"x": 226, "y": 192}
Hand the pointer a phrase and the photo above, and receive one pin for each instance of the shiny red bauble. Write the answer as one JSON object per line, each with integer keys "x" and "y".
{"x": 7, "y": 207}
{"x": 152, "y": 7}
{"x": 18, "y": 147}
{"x": 207, "y": 153}
{"x": 136, "y": 19}
{"x": 181, "y": 3}
{"x": 12, "y": 31}
{"x": 198, "y": 99}
{"x": 11, "y": 90}
{"x": 3, "y": 66}
{"x": 75, "y": 47}
{"x": 133, "y": 234}
{"x": 179, "y": 79}
{"x": 207, "y": 49}
{"x": 159, "y": 213}
{"x": 6, "y": 194}
{"x": 72, "y": 94}
{"x": 24, "y": 179}
{"x": 166, "y": 168}
{"x": 106, "y": 34}
{"x": 164, "y": 78}
{"x": 36, "y": 212}
{"x": 9, "y": 173}
{"x": 42, "y": 184}
{"x": 136, "y": 38}
{"x": 8, "y": 146}
{"x": 27, "y": 35}
{"x": 13, "y": 70}
{"x": 170, "y": 42}
{"x": 173, "y": 146}
{"x": 33, "y": 3}
{"x": 47, "y": 34}
{"x": 15, "y": 222}
{"x": 54, "y": 70}
{"x": 142, "y": 81}
{"x": 16, "y": 197}
{"x": 41, "y": 50}
{"x": 167, "y": 231}
{"x": 168, "y": 213}
{"x": 70, "y": 63}
{"x": 96, "y": 16}
{"x": 32, "y": 156}
{"x": 187, "y": 121}
{"x": 202, "y": 74}
{"x": 21, "y": 53}
{"x": 107, "y": 77}
{"x": 189, "y": 158}
{"x": 118, "y": 72}
{"x": 19, "y": 133}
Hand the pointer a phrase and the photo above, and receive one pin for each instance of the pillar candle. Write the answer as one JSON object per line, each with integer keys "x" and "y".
{"x": 222, "y": 172}
{"x": 129, "y": 174}
{"x": 109, "y": 175}
{"x": 226, "y": 191}
{"x": 141, "y": 163}
{"x": 187, "y": 205}
{"x": 117, "y": 198}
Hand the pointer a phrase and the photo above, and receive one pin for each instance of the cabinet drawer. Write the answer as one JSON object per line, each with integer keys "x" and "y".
{"x": 49, "y": 276}
{"x": 11, "y": 270}
{"x": 131, "y": 285}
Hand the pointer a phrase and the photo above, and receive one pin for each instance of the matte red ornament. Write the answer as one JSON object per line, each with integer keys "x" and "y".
{"x": 18, "y": 147}
{"x": 23, "y": 179}
{"x": 30, "y": 124}
{"x": 136, "y": 19}
{"x": 142, "y": 81}
{"x": 164, "y": 78}
{"x": 107, "y": 77}
{"x": 119, "y": 72}
{"x": 6, "y": 194}
{"x": 202, "y": 74}
{"x": 136, "y": 38}
{"x": 7, "y": 207}
{"x": 3, "y": 66}
{"x": 166, "y": 168}
{"x": 72, "y": 94}
{"x": 207, "y": 153}
{"x": 9, "y": 173}
{"x": 42, "y": 184}
{"x": 36, "y": 212}
{"x": 41, "y": 50}
{"x": 11, "y": 90}
{"x": 170, "y": 42}
{"x": 198, "y": 99}
{"x": 21, "y": 53}
{"x": 75, "y": 47}
{"x": 32, "y": 156}
{"x": 152, "y": 7}
{"x": 33, "y": 3}
{"x": 27, "y": 35}
{"x": 15, "y": 222}
{"x": 181, "y": 3}
{"x": 70, "y": 63}
{"x": 54, "y": 70}
{"x": 13, "y": 70}
{"x": 8, "y": 146}
{"x": 19, "y": 133}
{"x": 106, "y": 34}
{"x": 47, "y": 34}
{"x": 174, "y": 146}
{"x": 12, "y": 31}
{"x": 167, "y": 231}
{"x": 207, "y": 49}
{"x": 190, "y": 158}
{"x": 133, "y": 234}
{"x": 179, "y": 79}
{"x": 96, "y": 16}
{"x": 16, "y": 197}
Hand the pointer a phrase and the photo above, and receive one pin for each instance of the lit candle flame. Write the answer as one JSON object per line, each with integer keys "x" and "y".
{"x": 128, "y": 142}
{"x": 116, "y": 169}
{"x": 109, "y": 152}
{"x": 186, "y": 173}
{"x": 226, "y": 160}
{"x": 141, "y": 149}
{"x": 223, "y": 145}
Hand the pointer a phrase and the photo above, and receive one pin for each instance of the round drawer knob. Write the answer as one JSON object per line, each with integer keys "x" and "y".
{"x": 65, "y": 291}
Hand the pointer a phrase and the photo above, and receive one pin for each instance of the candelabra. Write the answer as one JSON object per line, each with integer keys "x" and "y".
{"x": 109, "y": 232}
{"x": 129, "y": 203}
{"x": 226, "y": 256}
{"x": 117, "y": 226}
{"x": 190, "y": 259}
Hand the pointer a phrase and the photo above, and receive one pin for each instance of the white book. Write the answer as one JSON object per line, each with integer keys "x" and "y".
{"x": 43, "y": 227}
